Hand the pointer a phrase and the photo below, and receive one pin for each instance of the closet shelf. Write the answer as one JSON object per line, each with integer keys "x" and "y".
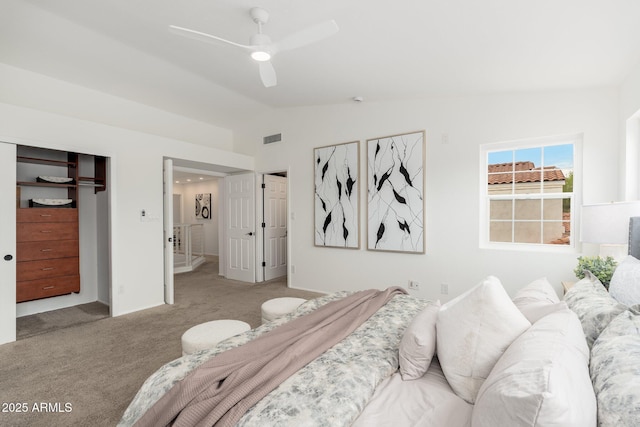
{"x": 38, "y": 161}
{"x": 88, "y": 181}
{"x": 45, "y": 184}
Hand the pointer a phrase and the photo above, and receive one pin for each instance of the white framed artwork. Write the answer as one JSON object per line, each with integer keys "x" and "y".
{"x": 336, "y": 182}
{"x": 395, "y": 193}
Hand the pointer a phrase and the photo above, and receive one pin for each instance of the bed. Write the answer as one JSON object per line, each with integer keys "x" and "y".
{"x": 316, "y": 395}
{"x": 531, "y": 360}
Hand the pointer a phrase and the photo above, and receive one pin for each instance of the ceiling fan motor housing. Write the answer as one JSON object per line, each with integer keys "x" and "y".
{"x": 259, "y": 15}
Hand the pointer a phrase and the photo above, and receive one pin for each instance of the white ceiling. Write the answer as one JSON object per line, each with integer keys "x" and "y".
{"x": 188, "y": 171}
{"x": 384, "y": 49}
{"x": 180, "y": 177}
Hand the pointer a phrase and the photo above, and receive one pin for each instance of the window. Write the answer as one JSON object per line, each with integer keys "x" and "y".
{"x": 528, "y": 191}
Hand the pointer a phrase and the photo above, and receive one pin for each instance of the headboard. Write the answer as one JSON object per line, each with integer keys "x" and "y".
{"x": 634, "y": 236}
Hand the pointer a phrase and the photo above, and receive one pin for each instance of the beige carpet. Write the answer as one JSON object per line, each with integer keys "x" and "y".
{"x": 49, "y": 321}
{"x": 86, "y": 374}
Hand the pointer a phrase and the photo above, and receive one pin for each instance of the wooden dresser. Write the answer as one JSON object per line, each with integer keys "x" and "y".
{"x": 47, "y": 253}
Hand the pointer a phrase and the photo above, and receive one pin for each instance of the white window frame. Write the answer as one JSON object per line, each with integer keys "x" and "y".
{"x": 576, "y": 196}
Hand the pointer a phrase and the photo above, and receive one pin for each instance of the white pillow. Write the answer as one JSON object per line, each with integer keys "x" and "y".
{"x": 538, "y": 290}
{"x": 418, "y": 343}
{"x": 473, "y": 330}
{"x": 535, "y": 312}
{"x": 537, "y": 299}
{"x": 625, "y": 283}
{"x": 541, "y": 380}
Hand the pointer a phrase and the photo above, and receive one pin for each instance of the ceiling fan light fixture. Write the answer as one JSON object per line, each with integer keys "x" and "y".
{"x": 261, "y": 55}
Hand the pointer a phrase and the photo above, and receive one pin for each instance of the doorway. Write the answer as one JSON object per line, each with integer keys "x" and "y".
{"x": 274, "y": 225}
{"x": 196, "y": 175}
{"x": 269, "y": 244}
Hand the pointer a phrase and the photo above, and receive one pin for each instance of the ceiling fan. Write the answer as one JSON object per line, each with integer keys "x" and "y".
{"x": 260, "y": 45}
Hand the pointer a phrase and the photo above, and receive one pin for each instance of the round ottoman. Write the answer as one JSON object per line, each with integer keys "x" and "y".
{"x": 278, "y": 307}
{"x": 208, "y": 334}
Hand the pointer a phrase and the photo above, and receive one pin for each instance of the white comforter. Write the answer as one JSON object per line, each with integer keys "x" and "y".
{"x": 426, "y": 401}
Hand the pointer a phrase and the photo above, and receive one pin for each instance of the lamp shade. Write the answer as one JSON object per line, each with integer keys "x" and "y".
{"x": 607, "y": 223}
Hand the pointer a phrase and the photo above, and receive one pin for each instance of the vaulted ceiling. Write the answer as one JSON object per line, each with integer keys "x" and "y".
{"x": 383, "y": 50}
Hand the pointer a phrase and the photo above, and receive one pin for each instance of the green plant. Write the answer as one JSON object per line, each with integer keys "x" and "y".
{"x": 602, "y": 268}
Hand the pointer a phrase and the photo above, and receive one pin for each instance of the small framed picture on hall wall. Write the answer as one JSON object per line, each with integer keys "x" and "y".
{"x": 395, "y": 193}
{"x": 336, "y": 197}
{"x": 203, "y": 206}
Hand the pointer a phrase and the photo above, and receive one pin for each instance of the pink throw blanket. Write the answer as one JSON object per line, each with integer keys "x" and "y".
{"x": 222, "y": 389}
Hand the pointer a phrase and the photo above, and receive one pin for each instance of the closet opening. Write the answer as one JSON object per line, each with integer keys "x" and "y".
{"x": 62, "y": 239}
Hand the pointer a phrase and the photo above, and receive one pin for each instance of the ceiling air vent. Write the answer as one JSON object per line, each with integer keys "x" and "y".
{"x": 272, "y": 138}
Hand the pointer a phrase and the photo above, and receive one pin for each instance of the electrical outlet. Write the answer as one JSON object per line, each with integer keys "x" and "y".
{"x": 444, "y": 289}
{"x": 413, "y": 284}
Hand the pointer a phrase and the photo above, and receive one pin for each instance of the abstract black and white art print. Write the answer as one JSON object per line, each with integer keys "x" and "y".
{"x": 203, "y": 206}
{"x": 337, "y": 195}
{"x": 395, "y": 183}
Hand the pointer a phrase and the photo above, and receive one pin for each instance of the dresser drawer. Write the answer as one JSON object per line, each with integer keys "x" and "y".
{"x": 44, "y": 288}
{"x": 39, "y": 231}
{"x": 32, "y": 270}
{"x": 31, "y": 251}
{"x": 47, "y": 215}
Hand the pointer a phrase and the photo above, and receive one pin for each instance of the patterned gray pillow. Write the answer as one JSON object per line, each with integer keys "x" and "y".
{"x": 594, "y": 306}
{"x": 615, "y": 371}
{"x": 625, "y": 283}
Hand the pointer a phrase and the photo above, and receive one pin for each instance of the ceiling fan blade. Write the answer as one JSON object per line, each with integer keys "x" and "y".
{"x": 268, "y": 74}
{"x": 307, "y": 36}
{"x": 203, "y": 37}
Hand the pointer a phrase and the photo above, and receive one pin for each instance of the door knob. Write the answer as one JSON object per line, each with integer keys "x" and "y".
{"x": 8, "y": 257}
{"x": 250, "y": 233}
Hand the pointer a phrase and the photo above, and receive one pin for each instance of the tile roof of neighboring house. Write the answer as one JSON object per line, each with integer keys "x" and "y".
{"x": 502, "y": 173}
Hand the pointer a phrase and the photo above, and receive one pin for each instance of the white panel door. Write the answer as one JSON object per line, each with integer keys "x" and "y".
{"x": 168, "y": 230}
{"x": 240, "y": 230}
{"x": 7, "y": 243}
{"x": 275, "y": 229}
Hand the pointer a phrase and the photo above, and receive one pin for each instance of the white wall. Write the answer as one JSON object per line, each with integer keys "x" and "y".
{"x": 452, "y": 182}
{"x": 188, "y": 192}
{"x": 33, "y": 90}
{"x": 135, "y": 179}
{"x": 630, "y": 136}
